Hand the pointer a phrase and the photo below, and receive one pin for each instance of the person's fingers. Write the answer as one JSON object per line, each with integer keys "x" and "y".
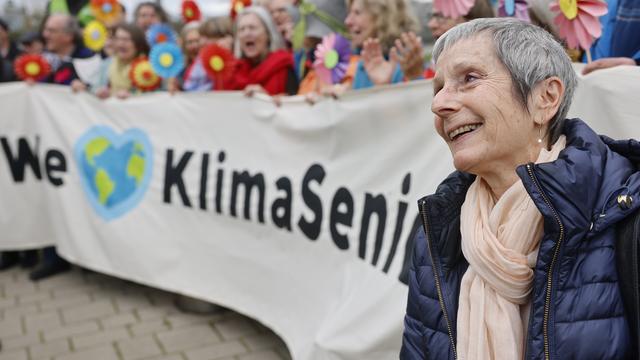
{"x": 594, "y": 65}
{"x": 277, "y": 100}
{"x": 311, "y": 98}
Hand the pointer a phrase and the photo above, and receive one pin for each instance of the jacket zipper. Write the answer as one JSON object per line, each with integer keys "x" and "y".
{"x": 436, "y": 275}
{"x": 547, "y": 303}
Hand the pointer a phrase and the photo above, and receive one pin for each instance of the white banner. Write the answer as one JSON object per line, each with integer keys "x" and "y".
{"x": 298, "y": 216}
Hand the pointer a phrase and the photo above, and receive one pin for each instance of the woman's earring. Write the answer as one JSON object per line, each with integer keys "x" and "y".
{"x": 540, "y": 135}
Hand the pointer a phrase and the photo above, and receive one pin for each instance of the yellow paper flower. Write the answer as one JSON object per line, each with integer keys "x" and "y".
{"x": 95, "y": 35}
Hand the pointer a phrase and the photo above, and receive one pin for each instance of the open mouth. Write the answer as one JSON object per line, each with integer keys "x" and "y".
{"x": 249, "y": 45}
{"x": 462, "y": 130}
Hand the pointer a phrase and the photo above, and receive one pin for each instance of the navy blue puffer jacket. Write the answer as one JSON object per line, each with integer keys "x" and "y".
{"x": 577, "y": 310}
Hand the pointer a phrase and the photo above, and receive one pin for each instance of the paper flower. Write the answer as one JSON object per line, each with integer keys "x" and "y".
{"x": 237, "y": 6}
{"x": 218, "y": 62}
{"x": 31, "y": 66}
{"x": 95, "y": 35}
{"x": 106, "y": 11}
{"x": 332, "y": 58}
{"x": 166, "y": 60}
{"x": 578, "y": 22}
{"x": 190, "y": 11}
{"x": 159, "y": 33}
{"x": 142, "y": 75}
{"x": 514, "y": 8}
{"x": 453, "y": 8}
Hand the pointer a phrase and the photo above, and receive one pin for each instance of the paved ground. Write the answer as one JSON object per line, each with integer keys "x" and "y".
{"x": 81, "y": 315}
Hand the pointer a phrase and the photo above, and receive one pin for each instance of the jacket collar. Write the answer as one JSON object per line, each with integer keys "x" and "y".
{"x": 584, "y": 183}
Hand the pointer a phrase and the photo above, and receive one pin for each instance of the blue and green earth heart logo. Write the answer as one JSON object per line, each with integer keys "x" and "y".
{"x": 115, "y": 170}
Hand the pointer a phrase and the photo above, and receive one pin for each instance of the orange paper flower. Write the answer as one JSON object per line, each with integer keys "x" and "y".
{"x": 106, "y": 11}
{"x": 190, "y": 11}
{"x": 237, "y": 6}
{"x": 218, "y": 62}
{"x": 142, "y": 75}
{"x": 32, "y": 67}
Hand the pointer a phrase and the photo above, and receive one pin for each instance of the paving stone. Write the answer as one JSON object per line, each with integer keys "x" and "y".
{"x": 261, "y": 355}
{"x": 131, "y": 302}
{"x": 73, "y": 300}
{"x": 100, "y": 338}
{"x": 167, "y": 357}
{"x": 148, "y": 327}
{"x": 118, "y": 320}
{"x": 20, "y": 310}
{"x": 235, "y": 327}
{"x": 69, "y": 280}
{"x": 262, "y": 341}
{"x": 181, "y": 319}
{"x": 217, "y": 351}
{"x": 139, "y": 348}
{"x": 10, "y": 326}
{"x": 41, "y": 296}
{"x": 7, "y": 302}
{"x": 49, "y": 349}
{"x": 20, "y": 288}
{"x": 71, "y": 330}
{"x": 93, "y": 310}
{"x": 20, "y": 354}
{"x": 186, "y": 338}
{"x": 16, "y": 342}
{"x": 42, "y": 321}
{"x": 156, "y": 312}
{"x": 98, "y": 353}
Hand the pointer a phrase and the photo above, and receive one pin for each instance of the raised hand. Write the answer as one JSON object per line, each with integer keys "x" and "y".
{"x": 408, "y": 53}
{"x": 377, "y": 67}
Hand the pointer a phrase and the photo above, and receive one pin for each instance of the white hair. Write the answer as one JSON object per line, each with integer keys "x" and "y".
{"x": 276, "y": 41}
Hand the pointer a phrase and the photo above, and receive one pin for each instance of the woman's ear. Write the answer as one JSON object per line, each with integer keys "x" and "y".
{"x": 547, "y": 96}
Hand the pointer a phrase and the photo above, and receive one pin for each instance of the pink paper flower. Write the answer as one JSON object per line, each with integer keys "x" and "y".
{"x": 578, "y": 22}
{"x": 453, "y": 8}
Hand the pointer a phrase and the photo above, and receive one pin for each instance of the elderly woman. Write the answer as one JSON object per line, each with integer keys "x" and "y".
{"x": 263, "y": 62}
{"x": 517, "y": 258}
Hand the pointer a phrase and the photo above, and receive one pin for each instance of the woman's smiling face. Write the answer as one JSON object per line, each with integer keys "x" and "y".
{"x": 359, "y": 21}
{"x": 477, "y": 111}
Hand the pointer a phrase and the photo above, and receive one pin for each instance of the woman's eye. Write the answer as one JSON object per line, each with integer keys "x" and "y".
{"x": 470, "y": 78}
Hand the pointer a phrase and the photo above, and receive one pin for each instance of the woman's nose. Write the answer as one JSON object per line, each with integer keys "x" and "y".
{"x": 445, "y": 102}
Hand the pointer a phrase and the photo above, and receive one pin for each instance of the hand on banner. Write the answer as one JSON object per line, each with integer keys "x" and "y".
{"x": 123, "y": 94}
{"x": 377, "y": 67}
{"x": 606, "y": 63}
{"x": 78, "y": 86}
{"x": 253, "y": 89}
{"x": 408, "y": 53}
{"x": 103, "y": 93}
{"x": 173, "y": 86}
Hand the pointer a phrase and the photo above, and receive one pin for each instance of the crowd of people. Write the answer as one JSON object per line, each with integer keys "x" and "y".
{"x": 274, "y": 44}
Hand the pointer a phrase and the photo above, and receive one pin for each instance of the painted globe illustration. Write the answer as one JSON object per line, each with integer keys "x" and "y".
{"x": 114, "y": 173}
{"x": 115, "y": 169}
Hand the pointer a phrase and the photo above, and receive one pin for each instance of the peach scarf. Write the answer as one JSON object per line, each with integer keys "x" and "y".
{"x": 500, "y": 240}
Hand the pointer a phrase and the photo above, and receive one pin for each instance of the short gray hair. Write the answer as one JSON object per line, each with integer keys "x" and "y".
{"x": 276, "y": 41}
{"x": 529, "y": 53}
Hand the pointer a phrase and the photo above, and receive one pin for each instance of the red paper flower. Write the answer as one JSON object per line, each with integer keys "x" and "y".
{"x": 190, "y": 11}
{"x": 142, "y": 75}
{"x": 31, "y": 66}
{"x": 218, "y": 62}
{"x": 237, "y": 6}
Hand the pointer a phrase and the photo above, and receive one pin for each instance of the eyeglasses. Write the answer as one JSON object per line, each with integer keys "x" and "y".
{"x": 439, "y": 18}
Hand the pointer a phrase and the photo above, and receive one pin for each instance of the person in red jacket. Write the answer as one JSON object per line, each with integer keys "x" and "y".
{"x": 264, "y": 65}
